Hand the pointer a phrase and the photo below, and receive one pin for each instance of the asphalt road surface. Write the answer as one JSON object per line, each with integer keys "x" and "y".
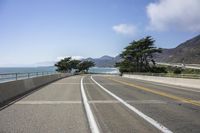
{"x": 104, "y": 104}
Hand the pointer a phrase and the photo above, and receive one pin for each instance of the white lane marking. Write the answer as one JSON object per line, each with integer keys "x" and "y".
{"x": 95, "y": 101}
{"x": 130, "y": 101}
{"x": 106, "y": 75}
{"x": 83, "y": 83}
{"x": 93, "y": 125}
{"x": 64, "y": 83}
{"x": 48, "y": 102}
{"x": 145, "y": 117}
{"x": 102, "y": 101}
{"x": 60, "y": 102}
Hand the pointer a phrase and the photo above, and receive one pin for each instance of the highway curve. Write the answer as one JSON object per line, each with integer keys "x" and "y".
{"x": 105, "y": 104}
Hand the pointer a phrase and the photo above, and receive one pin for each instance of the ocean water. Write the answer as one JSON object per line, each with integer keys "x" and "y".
{"x": 26, "y": 69}
{"x": 9, "y": 73}
{"x": 16, "y": 73}
{"x": 107, "y": 70}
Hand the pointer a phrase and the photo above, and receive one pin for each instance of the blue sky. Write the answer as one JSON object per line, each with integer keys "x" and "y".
{"x": 36, "y": 31}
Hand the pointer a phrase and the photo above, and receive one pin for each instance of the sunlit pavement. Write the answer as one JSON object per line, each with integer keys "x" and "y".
{"x": 117, "y": 105}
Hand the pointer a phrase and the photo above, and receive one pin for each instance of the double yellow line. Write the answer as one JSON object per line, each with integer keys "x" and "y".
{"x": 185, "y": 100}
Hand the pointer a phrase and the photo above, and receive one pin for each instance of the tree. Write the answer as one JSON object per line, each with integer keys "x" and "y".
{"x": 85, "y": 65}
{"x": 63, "y": 65}
{"x": 67, "y": 64}
{"x": 138, "y": 56}
{"x": 125, "y": 66}
{"x": 74, "y": 64}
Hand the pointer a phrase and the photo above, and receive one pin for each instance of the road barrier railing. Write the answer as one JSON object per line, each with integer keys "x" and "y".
{"x": 192, "y": 76}
{"x": 6, "y": 77}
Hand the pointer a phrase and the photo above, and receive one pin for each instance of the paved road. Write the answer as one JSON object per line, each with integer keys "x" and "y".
{"x": 108, "y": 104}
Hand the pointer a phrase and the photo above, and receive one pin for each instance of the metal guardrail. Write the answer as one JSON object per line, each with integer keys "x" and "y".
{"x": 192, "y": 76}
{"x": 6, "y": 77}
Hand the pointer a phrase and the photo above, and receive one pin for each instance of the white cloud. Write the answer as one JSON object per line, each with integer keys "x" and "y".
{"x": 126, "y": 29}
{"x": 73, "y": 57}
{"x": 178, "y": 14}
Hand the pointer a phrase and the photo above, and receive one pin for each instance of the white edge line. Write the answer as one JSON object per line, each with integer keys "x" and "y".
{"x": 93, "y": 125}
{"x": 147, "y": 118}
{"x": 47, "y": 102}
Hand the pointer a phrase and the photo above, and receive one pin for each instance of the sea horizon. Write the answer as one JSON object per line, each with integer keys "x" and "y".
{"x": 4, "y": 70}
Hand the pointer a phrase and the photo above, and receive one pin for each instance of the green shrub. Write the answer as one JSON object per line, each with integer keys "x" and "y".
{"x": 157, "y": 69}
{"x": 178, "y": 70}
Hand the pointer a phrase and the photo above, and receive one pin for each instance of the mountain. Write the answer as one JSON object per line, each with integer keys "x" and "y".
{"x": 104, "y": 61}
{"x": 106, "y": 57}
{"x": 187, "y": 52}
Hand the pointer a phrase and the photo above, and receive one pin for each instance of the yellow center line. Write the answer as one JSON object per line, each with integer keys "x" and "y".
{"x": 185, "y": 100}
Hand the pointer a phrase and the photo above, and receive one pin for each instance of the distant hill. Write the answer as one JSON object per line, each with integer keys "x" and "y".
{"x": 187, "y": 52}
{"x": 104, "y": 61}
{"x": 106, "y": 57}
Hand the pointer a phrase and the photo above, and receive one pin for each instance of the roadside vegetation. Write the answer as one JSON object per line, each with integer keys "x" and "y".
{"x": 138, "y": 57}
{"x": 68, "y": 64}
{"x": 181, "y": 70}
